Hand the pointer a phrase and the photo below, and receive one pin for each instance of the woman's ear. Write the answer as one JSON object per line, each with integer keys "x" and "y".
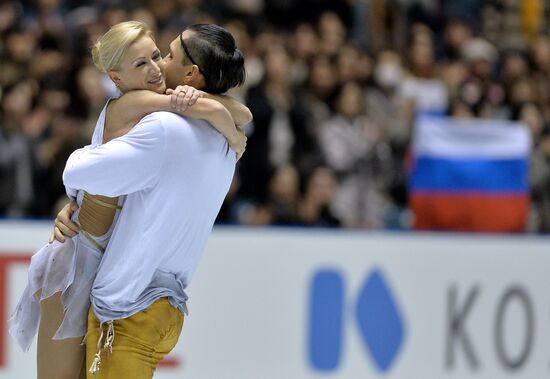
{"x": 114, "y": 77}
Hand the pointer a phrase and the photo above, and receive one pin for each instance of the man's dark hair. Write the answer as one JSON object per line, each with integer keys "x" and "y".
{"x": 213, "y": 50}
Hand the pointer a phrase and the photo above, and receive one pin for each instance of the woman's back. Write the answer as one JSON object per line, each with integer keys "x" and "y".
{"x": 96, "y": 215}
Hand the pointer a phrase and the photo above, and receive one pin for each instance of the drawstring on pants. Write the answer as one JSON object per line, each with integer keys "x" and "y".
{"x": 108, "y": 346}
{"x": 110, "y": 337}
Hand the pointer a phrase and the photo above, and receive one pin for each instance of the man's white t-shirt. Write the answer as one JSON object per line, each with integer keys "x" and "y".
{"x": 176, "y": 173}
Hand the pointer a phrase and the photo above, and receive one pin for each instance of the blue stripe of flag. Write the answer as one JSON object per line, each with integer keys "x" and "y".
{"x": 477, "y": 175}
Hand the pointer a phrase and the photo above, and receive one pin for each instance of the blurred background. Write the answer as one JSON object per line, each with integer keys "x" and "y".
{"x": 370, "y": 117}
{"x": 336, "y": 89}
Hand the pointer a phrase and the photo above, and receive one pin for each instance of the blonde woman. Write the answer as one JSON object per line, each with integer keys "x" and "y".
{"x": 56, "y": 299}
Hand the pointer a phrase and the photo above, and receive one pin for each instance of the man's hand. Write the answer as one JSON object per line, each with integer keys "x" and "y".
{"x": 63, "y": 226}
{"x": 183, "y": 97}
{"x": 239, "y": 144}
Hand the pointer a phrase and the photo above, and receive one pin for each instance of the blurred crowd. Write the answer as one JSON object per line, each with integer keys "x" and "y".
{"x": 334, "y": 87}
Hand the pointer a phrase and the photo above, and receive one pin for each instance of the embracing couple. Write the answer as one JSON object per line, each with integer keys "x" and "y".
{"x": 146, "y": 193}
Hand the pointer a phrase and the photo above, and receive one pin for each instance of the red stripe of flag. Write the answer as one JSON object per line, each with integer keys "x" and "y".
{"x": 474, "y": 212}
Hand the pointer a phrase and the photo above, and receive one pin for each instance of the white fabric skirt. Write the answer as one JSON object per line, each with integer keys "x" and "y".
{"x": 69, "y": 268}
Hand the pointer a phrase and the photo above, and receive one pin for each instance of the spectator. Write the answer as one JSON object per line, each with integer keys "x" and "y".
{"x": 15, "y": 162}
{"x": 315, "y": 207}
{"x": 540, "y": 185}
{"x": 382, "y": 102}
{"x": 539, "y": 171}
{"x": 334, "y": 88}
{"x": 284, "y": 191}
{"x": 280, "y": 133}
{"x": 278, "y": 208}
{"x": 332, "y": 33}
{"x": 319, "y": 89}
{"x": 456, "y": 35}
{"x": 423, "y": 91}
{"x": 353, "y": 147}
{"x": 304, "y": 45}
{"x": 20, "y": 46}
{"x": 383, "y": 109}
{"x": 540, "y": 56}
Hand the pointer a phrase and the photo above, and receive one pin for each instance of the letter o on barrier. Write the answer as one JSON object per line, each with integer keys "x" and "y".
{"x": 514, "y": 363}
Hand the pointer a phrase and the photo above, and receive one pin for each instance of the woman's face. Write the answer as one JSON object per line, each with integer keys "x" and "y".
{"x": 277, "y": 64}
{"x": 350, "y": 101}
{"x": 141, "y": 67}
{"x": 322, "y": 77}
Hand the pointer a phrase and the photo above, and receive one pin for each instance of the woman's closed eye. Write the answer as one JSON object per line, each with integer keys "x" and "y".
{"x": 156, "y": 56}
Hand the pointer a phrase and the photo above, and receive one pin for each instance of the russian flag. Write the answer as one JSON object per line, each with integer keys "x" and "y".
{"x": 470, "y": 174}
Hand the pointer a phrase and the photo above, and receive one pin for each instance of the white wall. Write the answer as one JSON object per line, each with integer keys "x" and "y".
{"x": 251, "y": 298}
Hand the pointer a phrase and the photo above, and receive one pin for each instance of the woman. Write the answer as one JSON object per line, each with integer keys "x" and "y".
{"x": 129, "y": 55}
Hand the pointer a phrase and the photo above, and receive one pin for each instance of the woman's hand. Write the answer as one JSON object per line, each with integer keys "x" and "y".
{"x": 63, "y": 226}
{"x": 183, "y": 97}
{"x": 238, "y": 144}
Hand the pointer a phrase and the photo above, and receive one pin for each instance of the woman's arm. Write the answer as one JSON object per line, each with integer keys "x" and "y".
{"x": 63, "y": 225}
{"x": 134, "y": 105}
{"x": 240, "y": 112}
{"x": 182, "y": 97}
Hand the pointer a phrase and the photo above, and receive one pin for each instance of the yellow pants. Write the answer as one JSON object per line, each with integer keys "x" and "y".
{"x": 139, "y": 342}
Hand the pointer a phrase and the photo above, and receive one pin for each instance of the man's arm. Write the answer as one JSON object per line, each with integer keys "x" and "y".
{"x": 124, "y": 165}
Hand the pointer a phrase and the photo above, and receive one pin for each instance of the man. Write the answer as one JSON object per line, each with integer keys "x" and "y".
{"x": 176, "y": 175}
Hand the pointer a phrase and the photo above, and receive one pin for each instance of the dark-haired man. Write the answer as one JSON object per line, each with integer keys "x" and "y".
{"x": 204, "y": 56}
{"x": 138, "y": 297}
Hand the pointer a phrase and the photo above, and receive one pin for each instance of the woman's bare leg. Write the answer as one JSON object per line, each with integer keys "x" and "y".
{"x": 57, "y": 359}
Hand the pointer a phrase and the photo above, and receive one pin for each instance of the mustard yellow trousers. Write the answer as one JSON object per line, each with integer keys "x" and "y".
{"x": 132, "y": 347}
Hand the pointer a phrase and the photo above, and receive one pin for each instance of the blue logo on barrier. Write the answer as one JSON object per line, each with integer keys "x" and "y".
{"x": 377, "y": 314}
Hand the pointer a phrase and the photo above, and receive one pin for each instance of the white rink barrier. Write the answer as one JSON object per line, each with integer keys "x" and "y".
{"x": 297, "y": 303}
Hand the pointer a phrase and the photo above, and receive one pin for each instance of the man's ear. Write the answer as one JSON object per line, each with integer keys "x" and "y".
{"x": 195, "y": 71}
{"x": 187, "y": 77}
{"x": 194, "y": 77}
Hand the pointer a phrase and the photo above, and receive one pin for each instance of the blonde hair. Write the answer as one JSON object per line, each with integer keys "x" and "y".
{"x": 111, "y": 46}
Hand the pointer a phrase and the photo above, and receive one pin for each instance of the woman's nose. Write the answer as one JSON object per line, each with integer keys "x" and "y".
{"x": 161, "y": 65}
{"x": 157, "y": 66}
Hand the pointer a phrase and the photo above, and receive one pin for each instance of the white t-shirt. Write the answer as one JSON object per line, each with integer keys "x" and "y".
{"x": 176, "y": 173}
{"x": 429, "y": 95}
